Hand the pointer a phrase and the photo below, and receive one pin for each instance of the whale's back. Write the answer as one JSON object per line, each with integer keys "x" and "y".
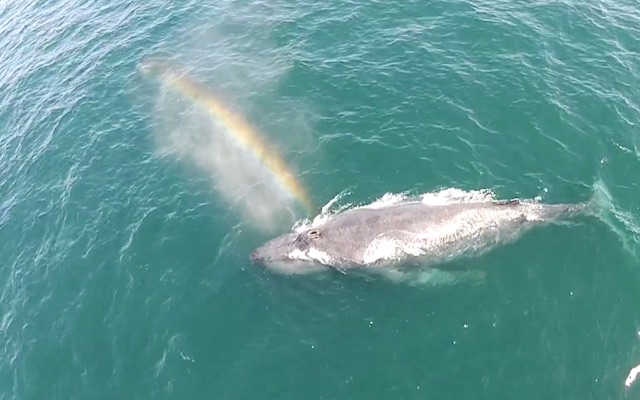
{"x": 367, "y": 236}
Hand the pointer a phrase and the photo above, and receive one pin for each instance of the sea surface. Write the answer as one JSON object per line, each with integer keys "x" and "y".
{"x": 126, "y": 226}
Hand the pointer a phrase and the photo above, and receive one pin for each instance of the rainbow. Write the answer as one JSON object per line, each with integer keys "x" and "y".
{"x": 250, "y": 139}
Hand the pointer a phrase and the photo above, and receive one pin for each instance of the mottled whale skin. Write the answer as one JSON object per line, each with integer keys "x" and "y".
{"x": 407, "y": 234}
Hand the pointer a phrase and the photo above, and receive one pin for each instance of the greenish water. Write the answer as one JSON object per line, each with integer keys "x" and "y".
{"x": 125, "y": 269}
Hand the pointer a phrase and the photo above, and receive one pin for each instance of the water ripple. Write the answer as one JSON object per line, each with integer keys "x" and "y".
{"x": 51, "y": 63}
{"x": 91, "y": 220}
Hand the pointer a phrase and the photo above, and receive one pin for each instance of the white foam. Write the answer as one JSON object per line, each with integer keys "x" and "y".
{"x": 453, "y": 195}
{"x": 325, "y": 215}
{"x": 388, "y": 199}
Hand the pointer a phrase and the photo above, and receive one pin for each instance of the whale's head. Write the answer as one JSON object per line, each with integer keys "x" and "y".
{"x": 292, "y": 253}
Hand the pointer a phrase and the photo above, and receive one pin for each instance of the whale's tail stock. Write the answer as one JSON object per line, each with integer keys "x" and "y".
{"x": 596, "y": 206}
{"x": 601, "y": 206}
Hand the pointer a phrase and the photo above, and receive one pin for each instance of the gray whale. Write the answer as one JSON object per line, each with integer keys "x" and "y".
{"x": 408, "y": 234}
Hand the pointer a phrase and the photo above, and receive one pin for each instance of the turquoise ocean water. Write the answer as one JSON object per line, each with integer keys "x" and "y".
{"x": 125, "y": 270}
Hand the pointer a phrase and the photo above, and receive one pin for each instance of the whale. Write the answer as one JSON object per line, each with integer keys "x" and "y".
{"x": 409, "y": 234}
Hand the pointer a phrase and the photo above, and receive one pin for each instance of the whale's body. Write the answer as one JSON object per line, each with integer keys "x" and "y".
{"x": 411, "y": 233}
